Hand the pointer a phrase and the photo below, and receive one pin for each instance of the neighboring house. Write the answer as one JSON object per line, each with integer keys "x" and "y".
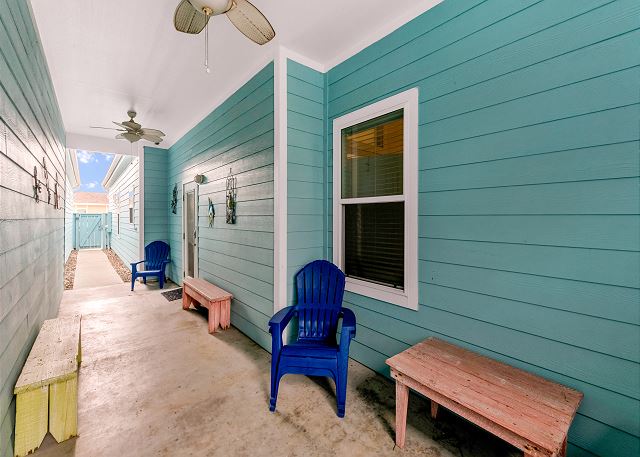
{"x": 90, "y": 202}
{"x": 71, "y": 182}
{"x": 123, "y": 188}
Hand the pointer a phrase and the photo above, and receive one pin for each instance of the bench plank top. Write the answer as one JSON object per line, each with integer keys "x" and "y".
{"x": 206, "y": 289}
{"x": 54, "y": 355}
{"x": 534, "y": 408}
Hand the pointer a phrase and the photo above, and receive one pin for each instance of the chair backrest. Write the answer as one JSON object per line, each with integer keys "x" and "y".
{"x": 320, "y": 288}
{"x": 154, "y": 253}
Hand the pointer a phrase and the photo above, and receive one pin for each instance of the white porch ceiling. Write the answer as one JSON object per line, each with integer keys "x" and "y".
{"x": 106, "y": 57}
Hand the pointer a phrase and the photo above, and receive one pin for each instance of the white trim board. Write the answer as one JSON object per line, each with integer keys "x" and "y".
{"x": 280, "y": 180}
{"x": 408, "y": 101}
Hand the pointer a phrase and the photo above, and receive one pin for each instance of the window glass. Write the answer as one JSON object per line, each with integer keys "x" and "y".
{"x": 374, "y": 242}
{"x": 372, "y": 156}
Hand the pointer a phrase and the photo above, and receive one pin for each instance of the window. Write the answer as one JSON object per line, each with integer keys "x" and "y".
{"x": 131, "y": 205}
{"x": 375, "y": 194}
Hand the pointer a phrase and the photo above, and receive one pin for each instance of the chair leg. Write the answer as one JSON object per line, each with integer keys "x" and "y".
{"x": 341, "y": 389}
{"x": 161, "y": 279}
{"x": 275, "y": 381}
{"x": 133, "y": 281}
{"x": 144, "y": 279}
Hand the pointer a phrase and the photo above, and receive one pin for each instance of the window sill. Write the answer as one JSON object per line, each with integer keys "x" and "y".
{"x": 381, "y": 293}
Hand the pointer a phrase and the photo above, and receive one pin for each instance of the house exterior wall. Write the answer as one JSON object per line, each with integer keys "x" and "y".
{"x": 126, "y": 243}
{"x": 305, "y": 169}
{"x": 69, "y": 222}
{"x": 31, "y": 233}
{"x": 156, "y": 197}
{"x": 238, "y": 135}
{"x": 87, "y": 208}
{"x": 528, "y": 195}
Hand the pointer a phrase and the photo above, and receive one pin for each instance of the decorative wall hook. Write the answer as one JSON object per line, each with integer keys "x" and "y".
{"x": 231, "y": 197}
{"x": 37, "y": 187}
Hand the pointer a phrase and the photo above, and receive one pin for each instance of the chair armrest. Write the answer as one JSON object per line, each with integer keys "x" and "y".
{"x": 136, "y": 263}
{"x": 277, "y": 324}
{"x": 166, "y": 262}
{"x": 281, "y": 319}
{"x": 348, "y": 329}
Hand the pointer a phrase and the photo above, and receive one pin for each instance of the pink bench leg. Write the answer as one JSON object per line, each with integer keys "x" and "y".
{"x": 214, "y": 316}
{"x": 186, "y": 300}
{"x": 402, "y": 402}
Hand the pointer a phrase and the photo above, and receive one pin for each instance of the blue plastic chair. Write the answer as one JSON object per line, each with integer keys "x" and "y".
{"x": 156, "y": 259}
{"x": 320, "y": 287}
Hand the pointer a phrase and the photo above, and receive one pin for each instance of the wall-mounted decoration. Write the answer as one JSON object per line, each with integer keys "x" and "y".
{"x": 37, "y": 186}
{"x": 199, "y": 179}
{"x": 174, "y": 199}
{"x": 212, "y": 213}
{"x": 45, "y": 173}
{"x": 232, "y": 191}
{"x": 56, "y": 197}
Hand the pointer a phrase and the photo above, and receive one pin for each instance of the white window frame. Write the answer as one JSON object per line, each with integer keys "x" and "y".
{"x": 408, "y": 102}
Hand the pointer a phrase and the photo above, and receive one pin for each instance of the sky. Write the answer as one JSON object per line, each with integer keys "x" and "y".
{"x": 93, "y": 167}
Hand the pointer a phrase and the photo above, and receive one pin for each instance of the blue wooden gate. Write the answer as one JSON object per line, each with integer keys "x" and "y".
{"x": 89, "y": 230}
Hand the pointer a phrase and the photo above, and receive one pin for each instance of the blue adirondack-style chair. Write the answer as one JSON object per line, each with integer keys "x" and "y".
{"x": 156, "y": 258}
{"x": 320, "y": 287}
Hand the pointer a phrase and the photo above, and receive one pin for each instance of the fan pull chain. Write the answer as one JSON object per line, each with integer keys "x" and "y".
{"x": 206, "y": 48}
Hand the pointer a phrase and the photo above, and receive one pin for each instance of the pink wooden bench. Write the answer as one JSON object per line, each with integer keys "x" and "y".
{"x": 530, "y": 412}
{"x": 215, "y": 299}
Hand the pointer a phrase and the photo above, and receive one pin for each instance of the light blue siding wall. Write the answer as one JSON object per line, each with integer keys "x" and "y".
{"x": 305, "y": 168}
{"x": 528, "y": 195}
{"x": 239, "y": 258}
{"x": 126, "y": 243}
{"x": 156, "y": 197}
{"x": 31, "y": 234}
{"x": 68, "y": 214}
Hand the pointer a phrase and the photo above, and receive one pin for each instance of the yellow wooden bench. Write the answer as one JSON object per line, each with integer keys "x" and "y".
{"x": 47, "y": 389}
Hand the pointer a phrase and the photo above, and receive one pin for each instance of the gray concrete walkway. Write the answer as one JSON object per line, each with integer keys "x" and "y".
{"x": 153, "y": 382}
{"x": 93, "y": 269}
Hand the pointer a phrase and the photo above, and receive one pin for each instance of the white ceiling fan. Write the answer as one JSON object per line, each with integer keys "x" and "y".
{"x": 192, "y": 16}
{"x": 132, "y": 131}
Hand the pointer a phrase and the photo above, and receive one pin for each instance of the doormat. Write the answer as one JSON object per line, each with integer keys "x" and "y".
{"x": 175, "y": 294}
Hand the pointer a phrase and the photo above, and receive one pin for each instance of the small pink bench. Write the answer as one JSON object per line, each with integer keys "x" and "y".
{"x": 215, "y": 299}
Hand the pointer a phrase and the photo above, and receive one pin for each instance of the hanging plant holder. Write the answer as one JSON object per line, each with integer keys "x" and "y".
{"x": 212, "y": 213}
{"x": 174, "y": 199}
{"x": 231, "y": 198}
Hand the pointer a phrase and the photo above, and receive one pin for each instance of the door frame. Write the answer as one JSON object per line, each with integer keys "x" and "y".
{"x": 187, "y": 186}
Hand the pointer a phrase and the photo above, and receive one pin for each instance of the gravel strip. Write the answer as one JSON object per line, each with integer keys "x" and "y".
{"x": 123, "y": 270}
{"x": 70, "y": 270}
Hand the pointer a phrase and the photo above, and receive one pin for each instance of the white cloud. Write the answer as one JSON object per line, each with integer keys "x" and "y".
{"x": 92, "y": 184}
{"x": 85, "y": 157}
{"x": 108, "y": 157}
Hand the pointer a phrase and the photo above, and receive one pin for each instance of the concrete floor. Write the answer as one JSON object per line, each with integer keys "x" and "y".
{"x": 93, "y": 269}
{"x": 153, "y": 382}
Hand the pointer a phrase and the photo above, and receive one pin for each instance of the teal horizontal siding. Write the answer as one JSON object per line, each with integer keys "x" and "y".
{"x": 238, "y": 135}
{"x": 306, "y": 93}
{"x": 34, "y": 239}
{"x": 528, "y": 195}
{"x": 126, "y": 244}
{"x": 156, "y": 197}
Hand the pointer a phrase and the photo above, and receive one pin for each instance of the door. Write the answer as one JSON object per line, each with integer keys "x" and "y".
{"x": 88, "y": 231}
{"x": 190, "y": 229}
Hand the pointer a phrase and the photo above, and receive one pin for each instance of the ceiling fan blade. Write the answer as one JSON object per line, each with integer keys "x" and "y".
{"x": 126, "y": 129}
{"x": 132, "y": 125}
{"x": 152, "y": 138}
{"x": 106, "y": 128}
{"x": 188, "y": 19}
{"x": 153, "y": 132}
{"x": 251, "y": 22}
{"x": 131, "y": 137}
